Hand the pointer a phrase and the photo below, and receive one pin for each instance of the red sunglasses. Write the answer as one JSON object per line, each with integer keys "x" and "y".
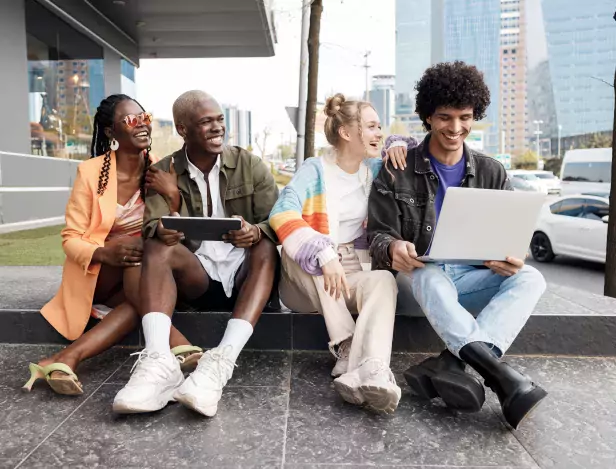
{"x": 131, "y": 120}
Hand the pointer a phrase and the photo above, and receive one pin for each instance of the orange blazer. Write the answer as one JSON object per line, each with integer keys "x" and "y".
{"x": 89, "y": 218}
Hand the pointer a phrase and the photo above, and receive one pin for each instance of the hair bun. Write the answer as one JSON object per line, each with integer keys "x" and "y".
{"x": 333, "y": 104}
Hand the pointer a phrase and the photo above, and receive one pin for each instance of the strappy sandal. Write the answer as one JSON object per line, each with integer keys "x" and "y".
{"x": 188, "y": 356}
{"x": 67, "y": 383}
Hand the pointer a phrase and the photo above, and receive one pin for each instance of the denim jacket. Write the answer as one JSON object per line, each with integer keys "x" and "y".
{"x": 401, "y": 204}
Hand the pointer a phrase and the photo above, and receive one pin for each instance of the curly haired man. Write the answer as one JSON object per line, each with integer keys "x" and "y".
{"x": 404, "y": 208}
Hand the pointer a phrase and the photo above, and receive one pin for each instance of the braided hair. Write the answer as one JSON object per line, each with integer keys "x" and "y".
{"x": 104, "y": 117}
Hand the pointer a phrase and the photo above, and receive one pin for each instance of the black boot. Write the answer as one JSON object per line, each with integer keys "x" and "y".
{"x": 445, "y": 377}
{"x": 517, "y": 393}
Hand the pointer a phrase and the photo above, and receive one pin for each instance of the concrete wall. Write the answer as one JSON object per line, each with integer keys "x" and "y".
{"x": 14, "y": 119}
{"x": 33, "y": 190}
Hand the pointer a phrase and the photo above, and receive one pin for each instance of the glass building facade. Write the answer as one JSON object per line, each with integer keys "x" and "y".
{"x": 581, "y": 39}
{"x": 472, "y": 34}
{"x": 413, "y": 49}
{"x": 66, "y": 84}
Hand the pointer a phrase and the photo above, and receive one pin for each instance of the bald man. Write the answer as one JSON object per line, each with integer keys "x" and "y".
{"x": 213, "y": 180}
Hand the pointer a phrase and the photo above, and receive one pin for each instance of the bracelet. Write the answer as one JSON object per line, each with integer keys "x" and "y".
{"x": 258, "y": 236}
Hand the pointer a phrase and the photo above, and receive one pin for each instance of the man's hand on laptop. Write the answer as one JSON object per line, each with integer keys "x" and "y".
{"x": 404, "y": 256}
{"x": 507, "y": 269}
{"x": 334, "y": 279}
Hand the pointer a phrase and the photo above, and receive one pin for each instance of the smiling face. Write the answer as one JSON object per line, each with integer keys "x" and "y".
{"x": 368, "y": 141}
{"x": 450, "y": 127}
{"x": 129, "y": 138}
{"x": 204, "y": 127}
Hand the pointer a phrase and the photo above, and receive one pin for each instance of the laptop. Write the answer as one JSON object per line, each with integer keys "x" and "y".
{"x": 478, "y": 225}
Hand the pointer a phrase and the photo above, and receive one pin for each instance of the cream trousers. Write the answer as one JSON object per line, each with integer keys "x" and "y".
{"x": 373, "y": 296}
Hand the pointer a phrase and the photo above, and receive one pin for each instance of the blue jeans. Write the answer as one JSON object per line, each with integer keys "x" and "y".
{"x": 446, "y": 293}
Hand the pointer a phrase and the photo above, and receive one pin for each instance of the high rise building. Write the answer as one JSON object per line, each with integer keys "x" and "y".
{"x": 472, "y": 31}
{"x": 581, "y": 40}
{"x": 382, "y": 97}
{"x": 513, "y": 87}
{"x": 239, "y": 126}
{"x": 413, "y": 49}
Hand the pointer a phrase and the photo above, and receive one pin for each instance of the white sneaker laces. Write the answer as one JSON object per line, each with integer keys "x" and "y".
{"x": 149, "y": 367}
{"x": 216, "y": 367}
{"x": 378, "y": 368}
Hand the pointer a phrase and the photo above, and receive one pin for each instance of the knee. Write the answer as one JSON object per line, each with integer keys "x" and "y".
{"x": 383, "y": 279}
{"x": 265, "y": 254}
{"x": 532, "y": 278}
{"x": 154, "y": 250}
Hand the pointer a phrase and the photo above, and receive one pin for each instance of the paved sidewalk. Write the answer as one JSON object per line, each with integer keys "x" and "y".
{"x": 280, "y": 410}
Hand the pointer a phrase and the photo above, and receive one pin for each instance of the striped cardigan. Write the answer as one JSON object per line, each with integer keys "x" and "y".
{"x": 305, "y": 218}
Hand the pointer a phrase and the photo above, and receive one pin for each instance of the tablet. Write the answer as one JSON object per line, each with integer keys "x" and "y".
{"x": 202, "y": 229}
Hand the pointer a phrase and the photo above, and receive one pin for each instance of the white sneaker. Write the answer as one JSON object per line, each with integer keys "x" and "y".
{"x": 347, "y": 386}
{"x": 202, "y": 389}
{"x": 378, "y": 385}
{"x": 342, "y": 354}
{"x": 155, "y": 377}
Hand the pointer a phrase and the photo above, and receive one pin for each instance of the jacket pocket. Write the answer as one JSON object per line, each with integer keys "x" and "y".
{"x": 238, "y": 192}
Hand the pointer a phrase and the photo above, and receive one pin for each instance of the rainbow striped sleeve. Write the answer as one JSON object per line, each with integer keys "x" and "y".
{"x": 299, "y": 217}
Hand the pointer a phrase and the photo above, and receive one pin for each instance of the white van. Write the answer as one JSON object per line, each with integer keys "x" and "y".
{"x": 586, "y": 171}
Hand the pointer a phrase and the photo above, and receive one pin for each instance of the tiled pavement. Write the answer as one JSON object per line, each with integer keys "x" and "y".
{"x": 280, "y": 411}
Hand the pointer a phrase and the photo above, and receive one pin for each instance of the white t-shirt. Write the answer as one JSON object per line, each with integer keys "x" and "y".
{"x": 220, "y": 260}
{"x": 353, "y": 205}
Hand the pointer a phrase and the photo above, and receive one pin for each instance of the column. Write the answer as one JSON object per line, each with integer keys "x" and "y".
{"x": 14, "y": 120}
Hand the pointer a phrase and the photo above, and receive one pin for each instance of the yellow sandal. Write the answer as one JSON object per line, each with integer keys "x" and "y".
{"x": 68, "y": 384}
{"x": 188, "y": 356}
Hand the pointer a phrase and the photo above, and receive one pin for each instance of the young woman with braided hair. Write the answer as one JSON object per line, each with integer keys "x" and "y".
{"x": 103, "y": 244}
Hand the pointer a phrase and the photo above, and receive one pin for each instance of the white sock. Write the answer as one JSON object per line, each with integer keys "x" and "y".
{"x": 236, "y": 335}
{"x": 156, "y": 329}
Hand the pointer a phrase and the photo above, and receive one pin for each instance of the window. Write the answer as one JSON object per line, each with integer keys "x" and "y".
{"x": 572, "y": 207}
{"x": 63, "y": 91}
{"x": 588, "y": 172}
{"x": 595, "y": 209}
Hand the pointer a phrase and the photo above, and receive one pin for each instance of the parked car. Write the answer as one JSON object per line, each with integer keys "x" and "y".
{"x": 532, "y": 180}
{"x": 520, "y": 184}
{"x": 550, "y": 181}
{"x": 575, "y": 226}
{"x": 588, "y": 170}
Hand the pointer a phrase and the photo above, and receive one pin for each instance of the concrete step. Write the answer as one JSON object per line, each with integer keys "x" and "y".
{"x": 566, "y": 322}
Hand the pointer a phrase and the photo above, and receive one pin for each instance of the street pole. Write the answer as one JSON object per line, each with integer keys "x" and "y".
{"x": 316, "y": 9}
{"x": 610, "y": 258}
{"x": 538, "y": 132}
{"x": 560, "y": 128}
{"x": 303, "y": 85}
{"x": 367, "y": 67}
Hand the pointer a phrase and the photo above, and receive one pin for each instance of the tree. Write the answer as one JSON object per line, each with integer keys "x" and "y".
{"x": 261, "y": 140}
{"x": 397, "y": 128}
{"x": 316, "y": 9}
{"x": 610, "y": 262}
{"x": 597, "y": 140}
{"x": 286, "y": 151}
{"x": 527, "y": 160}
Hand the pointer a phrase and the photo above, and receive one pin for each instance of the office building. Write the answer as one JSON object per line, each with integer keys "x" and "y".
{"x": 472, "y": 31}
{"x": 413, "y": 49}
{"x": 60, "y": 58}
{"x": 513, "y": 86}
{"x": 382, "y": 97}
{"x": 581, "y": 40}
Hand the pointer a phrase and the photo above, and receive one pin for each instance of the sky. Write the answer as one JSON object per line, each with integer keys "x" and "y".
{"x": 349, "y": 28}
{"x": 343, "y": 43}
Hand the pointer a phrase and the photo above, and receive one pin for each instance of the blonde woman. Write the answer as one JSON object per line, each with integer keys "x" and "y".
{"x": 320, "y": 221}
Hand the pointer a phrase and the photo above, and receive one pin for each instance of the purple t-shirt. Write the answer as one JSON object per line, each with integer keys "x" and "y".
{"x": 448, "y": 176}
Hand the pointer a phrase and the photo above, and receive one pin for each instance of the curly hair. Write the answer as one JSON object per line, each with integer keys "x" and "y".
{"x": 104, "y": 117}
{"x": 451, "y": 84}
